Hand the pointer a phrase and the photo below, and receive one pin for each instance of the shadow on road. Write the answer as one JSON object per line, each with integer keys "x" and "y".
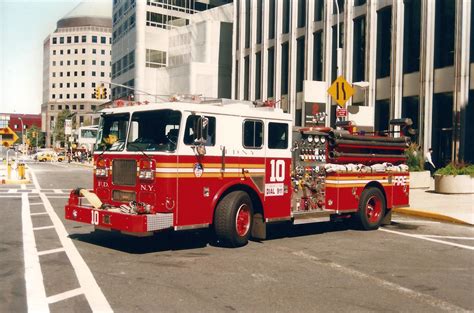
{"x": 188, "y": 240}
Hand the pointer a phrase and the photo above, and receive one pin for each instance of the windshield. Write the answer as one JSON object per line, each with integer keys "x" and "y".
{"x": 88, "y": 133}
{"x": 154, "y": 131}
{"x": 112, "y": 132}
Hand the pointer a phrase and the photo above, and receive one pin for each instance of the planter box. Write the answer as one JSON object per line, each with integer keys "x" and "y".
{"x": 454, "y": 184}
{"x": 420, "y": 180}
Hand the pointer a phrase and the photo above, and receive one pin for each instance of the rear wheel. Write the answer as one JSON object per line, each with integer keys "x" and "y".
{"x": 233, "y": 219}
{"x": 372, "y": 206}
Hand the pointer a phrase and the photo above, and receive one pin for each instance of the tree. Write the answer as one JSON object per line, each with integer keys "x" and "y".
{"x": 59, "y": 127}
{"x": 35, "y": 136}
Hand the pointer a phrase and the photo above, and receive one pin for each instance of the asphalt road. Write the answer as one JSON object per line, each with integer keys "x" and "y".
{"x": 46, "y": 263}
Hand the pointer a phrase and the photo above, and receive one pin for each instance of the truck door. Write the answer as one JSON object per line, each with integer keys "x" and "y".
{"x": 278, "y": 170}
{"x": 198, "y": 171}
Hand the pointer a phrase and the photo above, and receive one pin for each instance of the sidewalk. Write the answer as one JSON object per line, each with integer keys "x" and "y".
{"x": 457, "y": 208}
{"x": 14, "y": 179}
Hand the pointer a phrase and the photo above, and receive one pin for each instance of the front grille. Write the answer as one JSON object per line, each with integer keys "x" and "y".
{"x": 124, "y": 172}
{"x": 123, "y": 195}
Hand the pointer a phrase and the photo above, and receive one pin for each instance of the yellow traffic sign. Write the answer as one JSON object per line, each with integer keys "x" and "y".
{"x": 8, "y": 136}
{"x": 341, "y": 91}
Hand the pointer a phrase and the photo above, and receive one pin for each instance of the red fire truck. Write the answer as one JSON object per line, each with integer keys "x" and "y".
{"x": 234, "y": 167}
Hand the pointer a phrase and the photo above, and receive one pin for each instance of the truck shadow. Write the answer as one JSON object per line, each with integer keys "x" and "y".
{"x": 188, "y": 240}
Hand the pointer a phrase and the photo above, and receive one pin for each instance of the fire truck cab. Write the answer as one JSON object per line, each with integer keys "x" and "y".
{"x": 235, "y": 167}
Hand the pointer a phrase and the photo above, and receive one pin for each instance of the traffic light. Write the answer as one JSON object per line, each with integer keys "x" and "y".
{"x": 104, "y": 93}
{"x": 97, "y": 92}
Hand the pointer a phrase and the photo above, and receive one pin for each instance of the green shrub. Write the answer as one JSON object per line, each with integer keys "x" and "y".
{"x": 415, "y": 159}
{"x": 456, "y": 169}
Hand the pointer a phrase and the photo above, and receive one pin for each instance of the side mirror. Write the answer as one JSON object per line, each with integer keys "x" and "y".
{"x": 201, "y": 130}
{"x": 201, "y": 133}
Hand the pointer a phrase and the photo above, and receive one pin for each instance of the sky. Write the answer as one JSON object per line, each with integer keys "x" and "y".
{"x": 24, "y": 24}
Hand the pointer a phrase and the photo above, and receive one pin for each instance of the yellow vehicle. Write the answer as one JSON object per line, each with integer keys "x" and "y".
{"x": 46, "y": 156}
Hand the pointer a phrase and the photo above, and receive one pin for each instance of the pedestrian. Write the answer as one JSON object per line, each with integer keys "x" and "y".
{"x": 429, "y": 165}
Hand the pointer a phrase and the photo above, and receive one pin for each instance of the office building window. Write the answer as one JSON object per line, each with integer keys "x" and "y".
{"x": 247, "y": 23}
{"x": 75, "y": 62}
{"x": 444, "y": 33}
{"x": 284, "y": 68}
{"x": 83, "y": 96}
{"x": 83, "y": 84}
{"x": 60, "y": 96}
{"x": 60, "y": 74}
{"x": 53, "y": 96}
{"x": 93, "y": 73}
{"x": 300, "y": 63}
{"x": 360, "y": 2}
{"x": 55, "y": 41}
{"x": 94, "y": 39}
{"x": 75, "y": 84}
{"x": 81, "y": 107}
{"x": 61, "y": 63}
{"x": 54, "y": 63}
{"x": 60, "y": 107}
{"x": 83, "y": 51}
{"x": 94, "y": 62}
{"x": 286, "y": 16}
{"x": 75, "y": 73}
{"x": 76, "y": 39}
{"x": 52, "y": 106}
{"x": 103, "y": 40}
{"x": 382, "y": 115}
{"x": 246, "y": 78}
{"x": 68, "y": 74}
{"x": 83, "y": 73}
{"x": 271, "y": 73}
{"x": 69, "y": 39}
{"x": 318, "y": 56}
{"x": 102, "y": 74}
{"x": 60, "y": 85}
{"x": 154, "y": 58}
{"x": 318, "y": 10}
{"x": 237, "y": 84}
{"x": 68, "y": 62}
{"x": 259, "y": 21}
{"x": 411, "y": 36}
{"x": 340, "y": 3}
{"x": 94, "y": 51}
{"x": 271, "y": 19}
{"x": 301, "y": 13}
{"x": 54, "y": 86}
{"x": 54, "y": 52}
{"x": 61, "y": 52}
{"x": 61, "y": 40}
{"x": 68, "y": 85}
{"x": 384, "y": 42}
{"x": 83, "y": 62}
{"x": 358, "y": 63}
{"x": 76, "y": 51}
{"x": 102, "y": 63}
{"x": 102, "y": 52}
{"x": 258, "y": 75}
{"x": 93, "y": 85}
{"x": 68, "y": 51}
{"x": 54, "y": 74}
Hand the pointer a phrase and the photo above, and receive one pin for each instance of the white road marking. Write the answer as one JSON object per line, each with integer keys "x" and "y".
{"x": 23, "y": 186}
{"x": 427, "y": 299}
{"x": 92, "y": 291}
{"x": 57, "y": 191}
{"x": 56, "y": 197}
{"x": 12, "y": 191}
{"x": 35, "y": 292}
{"x": 43, "y": 227}
{"x": 65, "y": 295}
{"x": 428, "y": 239}
{"x": 449, "y": 237}
{"x": 45, "y": 252}
{"x": 37, "y": 203}
{"x": 12, "y": 196}
{"x": 38, "y": 213}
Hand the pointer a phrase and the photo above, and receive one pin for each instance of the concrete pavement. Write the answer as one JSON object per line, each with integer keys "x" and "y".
{"x": 455, "y": 208}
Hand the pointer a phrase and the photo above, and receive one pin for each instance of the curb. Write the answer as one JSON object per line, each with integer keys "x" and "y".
{"x": 436, "y": 216}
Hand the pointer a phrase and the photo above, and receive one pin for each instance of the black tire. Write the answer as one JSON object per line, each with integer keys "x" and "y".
{"x": 372, "y": 207}
{"x": 233, "y": 219}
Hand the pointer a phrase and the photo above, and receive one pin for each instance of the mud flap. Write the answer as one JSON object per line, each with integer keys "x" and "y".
{"x": 387, "y": 220}
{"x": 259, "y": 227}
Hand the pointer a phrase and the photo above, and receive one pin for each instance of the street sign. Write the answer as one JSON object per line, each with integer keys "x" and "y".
{"x": 341, "y": 91}
{"x": 67, "y": 127}
{"x": 341, "y": 112}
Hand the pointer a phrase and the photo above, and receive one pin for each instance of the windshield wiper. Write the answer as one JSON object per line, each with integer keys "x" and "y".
{"x": 132, "y": 144}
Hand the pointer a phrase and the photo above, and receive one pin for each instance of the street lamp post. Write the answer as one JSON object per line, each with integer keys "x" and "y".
{"x": 338, "y": 48}
{"x": 22, "y": 138}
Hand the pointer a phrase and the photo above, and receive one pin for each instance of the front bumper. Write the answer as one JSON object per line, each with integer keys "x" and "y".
{"x": 124, "y": 222}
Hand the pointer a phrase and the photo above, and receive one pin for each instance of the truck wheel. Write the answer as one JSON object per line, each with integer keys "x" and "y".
{"x": 372, "y": 208}
{"x": 233, "y": 219}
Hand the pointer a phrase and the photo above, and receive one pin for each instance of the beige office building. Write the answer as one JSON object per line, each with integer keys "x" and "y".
{"x": 76, "y": 60}
{"x": 410, "y": 58}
